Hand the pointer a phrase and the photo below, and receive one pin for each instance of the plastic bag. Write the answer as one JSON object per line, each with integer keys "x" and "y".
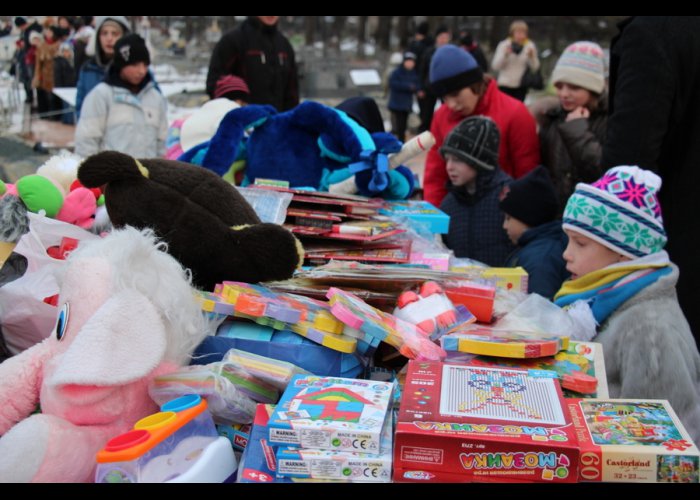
{"x": 26, "y": 319}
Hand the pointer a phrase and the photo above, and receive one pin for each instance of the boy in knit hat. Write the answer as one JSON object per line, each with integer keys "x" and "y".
{"x": 530, "y": 206}
{"x": 475, "y": 182}
{"x": 125, "y": 113}
{"x": 456, "y": 77}
{"x": 572, "y": 133}
{"x": 622, "y": 277}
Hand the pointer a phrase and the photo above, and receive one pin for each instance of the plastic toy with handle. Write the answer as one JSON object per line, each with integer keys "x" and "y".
{"x": 178, "y": 444}
{"x": 419, "y": 144}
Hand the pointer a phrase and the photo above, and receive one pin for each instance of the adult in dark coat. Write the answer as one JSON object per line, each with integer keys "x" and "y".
{"x": 259, "y": 54}
{"x": 655, "y": 123}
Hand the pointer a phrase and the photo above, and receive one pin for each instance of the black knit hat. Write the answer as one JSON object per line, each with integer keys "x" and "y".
{"x": 20, "y": 21}
{"x": 363, "y": 110}
{"x": 531, "y": 199}
{"x": 475, "y": 141}
{"x": 130, "y": 49}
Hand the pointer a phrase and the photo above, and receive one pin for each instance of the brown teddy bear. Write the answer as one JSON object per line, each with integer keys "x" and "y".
{"x": 208, "y": 225}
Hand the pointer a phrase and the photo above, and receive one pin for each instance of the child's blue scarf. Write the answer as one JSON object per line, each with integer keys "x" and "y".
{"x": 607, "y": 289}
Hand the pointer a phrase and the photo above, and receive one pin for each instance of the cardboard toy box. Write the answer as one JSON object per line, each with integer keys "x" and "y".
{"x": 421, "y": 212}
{"x": 346, "y": 465}
{"x": 331, "y": 413}
{"x": 465, "y": 424}
{"x": 633, "y": 441}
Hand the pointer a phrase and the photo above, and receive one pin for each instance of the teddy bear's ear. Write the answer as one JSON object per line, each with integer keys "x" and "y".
{"x": 103, "y": 168}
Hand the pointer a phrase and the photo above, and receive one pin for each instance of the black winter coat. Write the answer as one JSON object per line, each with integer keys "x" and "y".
{"x": 655, "y": 123}
{"x": 261, "y": 56}
{"x": 571, "y": 150}
{"x": 476, "y": 221}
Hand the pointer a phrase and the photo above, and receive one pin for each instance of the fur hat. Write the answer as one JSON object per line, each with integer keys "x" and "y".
{"x": 453, "y": 69}
{"x": 130, "y": 49}
{"x": 531, "y": 199}
{"x": 475, "y": 141}
{"x": 582, "y": 64}
{"x": 621, "y": 211}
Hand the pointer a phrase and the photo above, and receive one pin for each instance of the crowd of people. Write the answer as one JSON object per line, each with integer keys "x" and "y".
{"x": 566, "y": 190}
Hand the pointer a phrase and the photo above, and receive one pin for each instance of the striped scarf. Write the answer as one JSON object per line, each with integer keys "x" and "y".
{"x": 607, "y": 289}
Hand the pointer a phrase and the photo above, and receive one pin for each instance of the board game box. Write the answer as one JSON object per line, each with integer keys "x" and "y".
{"x": 464, "y": 424}
{"x": 633, "y": 441}
{"x": 331, "y": 413}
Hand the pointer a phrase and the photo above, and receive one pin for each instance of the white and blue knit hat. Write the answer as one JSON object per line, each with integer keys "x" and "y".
{"x": 582, "y": 64}
{"x": 621, "y": 211}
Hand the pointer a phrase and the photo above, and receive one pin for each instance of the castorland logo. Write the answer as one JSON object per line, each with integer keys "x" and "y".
{"x": 629, "y": 463}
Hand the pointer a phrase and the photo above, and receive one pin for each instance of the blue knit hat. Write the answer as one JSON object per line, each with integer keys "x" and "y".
{"x": 453, "y": 69}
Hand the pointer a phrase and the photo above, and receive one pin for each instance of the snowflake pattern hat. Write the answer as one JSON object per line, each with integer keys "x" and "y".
{"x": 621, "y": 211}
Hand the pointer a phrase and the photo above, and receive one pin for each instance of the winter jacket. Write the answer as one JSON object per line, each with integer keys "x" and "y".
{"x": 63, "y": 72}
{"x": 94, "y": 70}
{"x": 511, "y": 66}
{"x": 261, "y": 56}
{"x": 403, "y": 84}
{"x": 114, "y": 118}
{"x": 655, "y": 123}
{"x": 540, "y": 251}
{"x": 650, "y": 353}
{"x": 519, "y": 149}
{"x": 476, "y": 221}
{"x": 572, "y": 150}
{"x": 43, "y": 71}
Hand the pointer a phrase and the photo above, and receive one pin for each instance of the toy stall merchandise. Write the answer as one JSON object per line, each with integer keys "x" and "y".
{"x": 331, "y": 414}
{"x": 580, "y": 368}
{"x": 633, "y": 441}
{"x": 463, "y": 424}
{"x": 178, "y": 444}
{"x": 349, "y": 466}
{"x": 126, "y": 315}
{"x": 207, "y": 224}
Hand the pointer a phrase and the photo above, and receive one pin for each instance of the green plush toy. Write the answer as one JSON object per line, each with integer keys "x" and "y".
{"x": 39, "y": 193}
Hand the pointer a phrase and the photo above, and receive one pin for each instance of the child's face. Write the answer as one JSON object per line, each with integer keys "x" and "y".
{"x": 108, "y": 37}
{"x": 409, "y": 64}
{"x": 460, "y": 173}
{"x": 134, "y": 73}
{"x": 584, "y": 255}
{"x": 462, "y": 101}
{"x": 572, "y": 96}
{"x": 515, "y": 228}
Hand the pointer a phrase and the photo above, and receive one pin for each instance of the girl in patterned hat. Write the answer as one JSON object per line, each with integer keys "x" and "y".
{"x": 624, "y": 282}
{"x": 572, "y": 132}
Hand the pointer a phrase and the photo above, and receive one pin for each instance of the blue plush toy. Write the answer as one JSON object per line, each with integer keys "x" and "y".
{"x": 311, "y": 145}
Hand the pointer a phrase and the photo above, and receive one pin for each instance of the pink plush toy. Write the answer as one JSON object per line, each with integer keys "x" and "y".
{"x": 127, "y": 314}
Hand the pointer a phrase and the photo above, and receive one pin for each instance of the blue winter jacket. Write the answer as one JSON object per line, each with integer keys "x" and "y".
{"x": 91, "y": 74}
{"x": 540, "y": 252}
{"x": 402, "y": 84}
